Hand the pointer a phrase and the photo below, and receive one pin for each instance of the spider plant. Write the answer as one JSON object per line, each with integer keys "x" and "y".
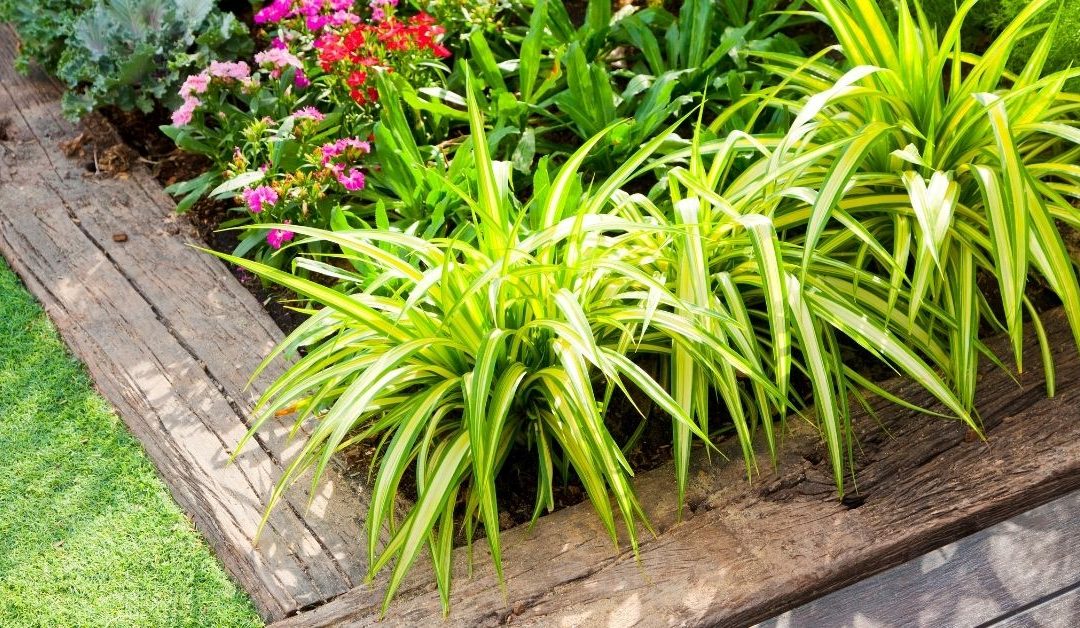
{"x": 963, "y": 170}
{"x": 460, "y": 349}
{"x": 735, "y": 249}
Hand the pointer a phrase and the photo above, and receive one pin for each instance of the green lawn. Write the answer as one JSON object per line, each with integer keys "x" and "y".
{"x": 89, "y": 535}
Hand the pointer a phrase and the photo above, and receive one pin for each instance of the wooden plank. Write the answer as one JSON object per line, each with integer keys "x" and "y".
{"x": 170, "y": 338}
{"x": 745, "y": 552}
{"x": 1015, "y": 565}
{"x": 1061, "y": 610}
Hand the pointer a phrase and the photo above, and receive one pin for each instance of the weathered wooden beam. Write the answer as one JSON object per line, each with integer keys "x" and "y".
{"x": 170, "y": 338}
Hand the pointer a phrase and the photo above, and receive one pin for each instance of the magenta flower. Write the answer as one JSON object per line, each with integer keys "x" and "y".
{"x": 277, "y": 237}
{"x": 274, "y": 12}
{"x": 333, "y": 149}
{"x": 301, "y": 80}
{"x": 353, "y": 182}
{"x": 260, "y": 198}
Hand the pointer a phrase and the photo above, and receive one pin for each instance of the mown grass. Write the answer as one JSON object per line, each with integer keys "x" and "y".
{"x": 89, "y": 535}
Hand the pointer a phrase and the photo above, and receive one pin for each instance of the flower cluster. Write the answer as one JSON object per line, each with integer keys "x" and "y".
{"x": 196, "y": 85}
{"x": 315, "y": 163}
{"x": 387, "y": 45}
{"x": 278, "y": 58}
{"x": 380, "y": 7}
{"x": 316, "y": 14}
{"x": 338, "y": 157}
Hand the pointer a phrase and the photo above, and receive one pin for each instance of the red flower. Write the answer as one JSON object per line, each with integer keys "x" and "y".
{"x": 356, "y": 78}
{"x": 354, "y": 39}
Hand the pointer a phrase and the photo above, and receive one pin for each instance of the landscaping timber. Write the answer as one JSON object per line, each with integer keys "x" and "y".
{"x": 1021, "y": 572}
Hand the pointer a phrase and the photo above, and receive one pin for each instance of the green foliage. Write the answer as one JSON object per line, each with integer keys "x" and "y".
{"x": 1065, "y": 41}
{"x": 991, "y": 17}
{"x": 44, "y": 28}
{"x": 547, "y": 220}
{"x": 459, "y": 351}
{"x": 970, "y": 178}
{"x": 135, "y": 53}
{"x": 89, "y": 536}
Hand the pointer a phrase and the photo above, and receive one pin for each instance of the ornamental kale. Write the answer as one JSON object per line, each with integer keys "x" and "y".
{"x": 134, "y": 53}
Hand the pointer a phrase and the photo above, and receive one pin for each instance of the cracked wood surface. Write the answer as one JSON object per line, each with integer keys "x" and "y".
{"x": 170, "y": 338}
{"x": 747, "y": 551}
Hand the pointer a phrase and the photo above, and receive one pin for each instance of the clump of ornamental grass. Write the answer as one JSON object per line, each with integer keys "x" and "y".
{"x": 458, "y": 350}
{"x": 960, "y": 169}
{"x": 735, "y": 220}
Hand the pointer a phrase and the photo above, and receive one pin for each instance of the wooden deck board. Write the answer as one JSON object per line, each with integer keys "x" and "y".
{"x": 170, "y": 338}
{"x": 1023, "y": 571}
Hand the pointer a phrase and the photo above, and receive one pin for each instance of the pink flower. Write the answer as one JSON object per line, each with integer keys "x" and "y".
{"x": 195, "y": 84}
{"x": 309, "y": 113}
{"x": 260, "y": 198}
{"x": 184, "y": 114}
{"x": 341, "y": 5}
{"x": 278, "y": 57}
{"x": 229, "y": 70}
{"x": 353, "y": 182}
{"x": 277, "y": 237}
{"x": 341, "y": 18}
{"x": 301, "y": 80}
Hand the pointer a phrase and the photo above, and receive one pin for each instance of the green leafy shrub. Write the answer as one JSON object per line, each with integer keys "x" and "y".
{"x": 44, "y": 28}
{"x": 135, "y": 53}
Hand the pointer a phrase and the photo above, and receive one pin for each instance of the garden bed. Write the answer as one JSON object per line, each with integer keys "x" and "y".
{"x": 747, "y": 551}
{"x": 743, "y": 551}
{"x": 170, "y": 336}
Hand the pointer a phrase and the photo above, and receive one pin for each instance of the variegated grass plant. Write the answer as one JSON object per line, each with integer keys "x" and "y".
{"x": 958, "y": 169}
{"x": 463, "y": 347}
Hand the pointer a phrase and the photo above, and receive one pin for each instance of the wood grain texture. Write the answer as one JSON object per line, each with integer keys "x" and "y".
{"x": 1061, "y": 610}
{"x": 1013, "y": 569}
{"x": 170, "y": 338}
{"x": 747, "y": 551}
